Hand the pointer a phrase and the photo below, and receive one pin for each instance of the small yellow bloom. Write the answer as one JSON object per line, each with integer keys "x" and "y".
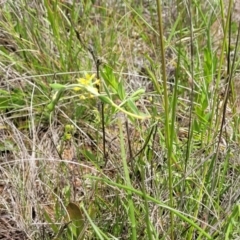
{"x": 88, "y": 83}
{"x": 97, "y": 82}
{"x": 89, "y": 77}
{"x": 87, "y": 80}
{"x": 83, "y": 81}
{"x": 82, "y": 97}
{"x": 76, "y": 89}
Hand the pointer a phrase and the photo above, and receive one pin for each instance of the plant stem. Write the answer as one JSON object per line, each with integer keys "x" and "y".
{"x": 167, "y": 128}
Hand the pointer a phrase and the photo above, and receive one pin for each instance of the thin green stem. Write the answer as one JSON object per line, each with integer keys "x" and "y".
{"x": 167, "y": 127}
{"x": 128, "y": 183}
{"x": 220, "y": 66}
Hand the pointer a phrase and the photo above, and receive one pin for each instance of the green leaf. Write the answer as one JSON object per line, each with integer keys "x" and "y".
{"x": 76, "y": 216}
{"x": 50, "y": 107}
{"x": 109, "y": 77}
{"x": 121, "y": 91}
{"x": 74, "y": 212}
{"x": 136, "y": 95}
{"x": 132, "y": 106}
{"x": 57, "y": 86}
{"x": 105, "y": 100}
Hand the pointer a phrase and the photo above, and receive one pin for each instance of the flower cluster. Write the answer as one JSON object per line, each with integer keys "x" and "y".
{"x": 87, "y": 82}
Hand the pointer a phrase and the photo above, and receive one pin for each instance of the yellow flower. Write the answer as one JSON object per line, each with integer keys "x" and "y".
{"x": 87, "y": 80}
{"x": 83, "y": 81}
{"x": 97, "y": 82}
{"x": 82, "y": 97}
{"x": 88, "y": 84}
{"x": 89, "y": 77}
{"x": 76, "y": 89}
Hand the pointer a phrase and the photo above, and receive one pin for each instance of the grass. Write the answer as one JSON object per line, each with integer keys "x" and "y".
{"x": 119, "y": 120}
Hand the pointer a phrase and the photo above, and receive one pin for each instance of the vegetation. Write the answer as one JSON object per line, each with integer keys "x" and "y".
{"x": 119, "y": 120}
